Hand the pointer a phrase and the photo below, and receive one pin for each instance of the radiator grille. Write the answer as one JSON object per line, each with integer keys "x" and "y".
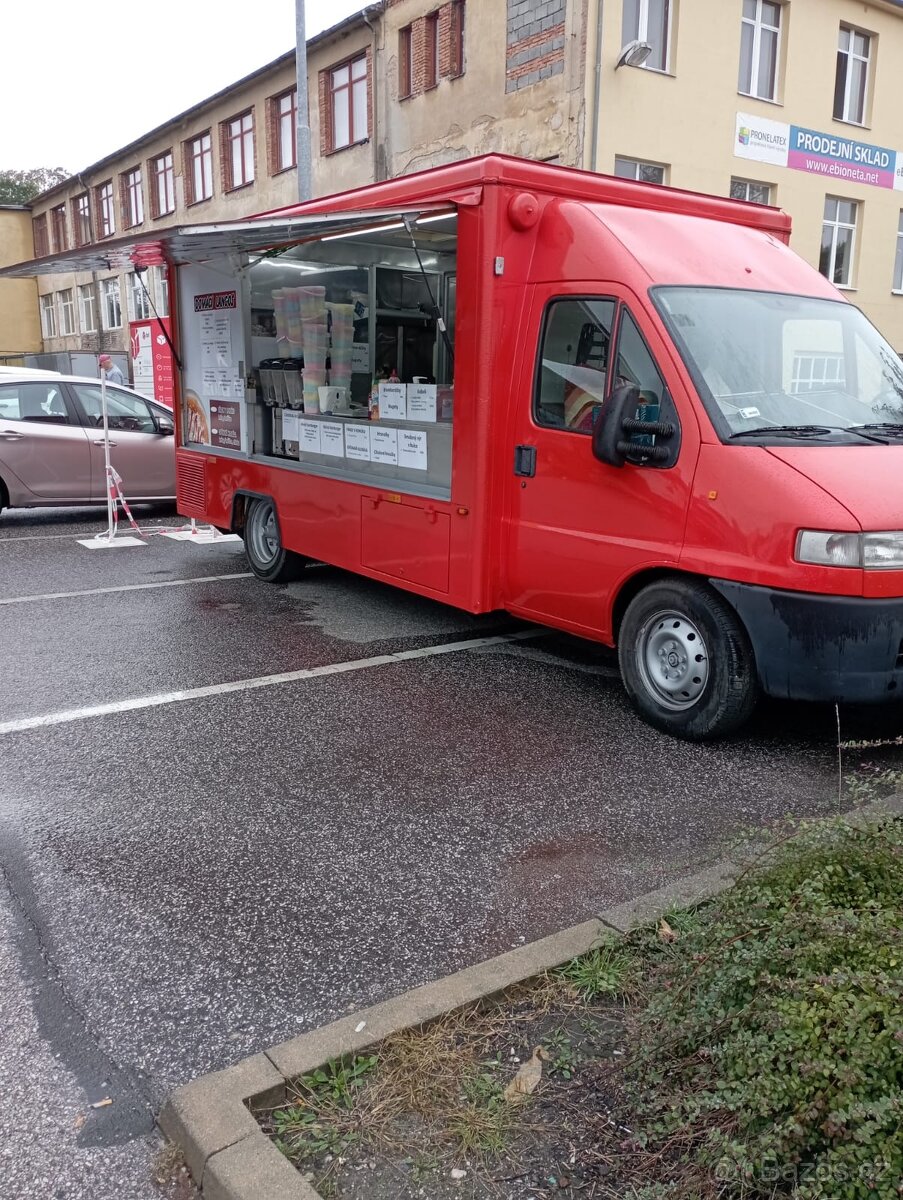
{"x": 191, "y": 490}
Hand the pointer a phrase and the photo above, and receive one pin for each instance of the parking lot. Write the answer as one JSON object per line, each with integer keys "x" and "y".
{"x": 230, "y": 812}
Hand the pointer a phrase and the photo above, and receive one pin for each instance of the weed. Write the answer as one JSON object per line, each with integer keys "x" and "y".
{"x": 601, "y": 972}
{"x": 563, "y": 1056}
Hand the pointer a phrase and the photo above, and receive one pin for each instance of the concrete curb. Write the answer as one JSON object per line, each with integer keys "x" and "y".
{"x": 210, "y": 1119}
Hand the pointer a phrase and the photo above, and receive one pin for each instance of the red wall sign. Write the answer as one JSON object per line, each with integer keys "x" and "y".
{"x": 152, "y": 365}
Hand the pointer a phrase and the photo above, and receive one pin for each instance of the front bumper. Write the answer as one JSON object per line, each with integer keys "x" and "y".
{"x": 809, "y": 647}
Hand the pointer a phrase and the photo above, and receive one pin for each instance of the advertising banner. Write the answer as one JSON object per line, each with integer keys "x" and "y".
{"x": 152, "y": 365}
{"x": 800, "y": 149}
{"x": 212, "y": 359}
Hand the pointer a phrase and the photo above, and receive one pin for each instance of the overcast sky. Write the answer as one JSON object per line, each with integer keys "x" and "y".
{"x": 82, "y": 78}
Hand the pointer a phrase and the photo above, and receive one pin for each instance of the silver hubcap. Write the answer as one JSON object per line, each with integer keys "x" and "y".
{"x": 673, "y": 660}
{"x": 263, "y": 534}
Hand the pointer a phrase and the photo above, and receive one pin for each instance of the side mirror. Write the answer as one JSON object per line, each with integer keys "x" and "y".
{"x": 165, "y": 426}
{"x": 617, "y": 422}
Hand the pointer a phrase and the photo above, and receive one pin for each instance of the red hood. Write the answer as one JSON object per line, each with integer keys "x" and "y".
{"x": 866, "y": 480}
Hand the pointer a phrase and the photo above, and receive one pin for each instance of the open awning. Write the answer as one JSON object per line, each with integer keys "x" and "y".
{"x": 200, "y": 243}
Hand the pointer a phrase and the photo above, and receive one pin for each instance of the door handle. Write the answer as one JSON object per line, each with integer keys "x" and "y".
{"x": 99, "y": 442}
{"x": 525, "y": 460}
{"x": 10, "y": 435}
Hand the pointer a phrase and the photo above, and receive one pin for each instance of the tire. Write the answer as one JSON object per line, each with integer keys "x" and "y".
{"x": 686, "y": 661}
{"x": 268, "y": 558}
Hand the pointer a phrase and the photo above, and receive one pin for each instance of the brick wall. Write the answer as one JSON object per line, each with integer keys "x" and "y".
{"x": 535, "y": 48}
{"x": 444, "y": 24}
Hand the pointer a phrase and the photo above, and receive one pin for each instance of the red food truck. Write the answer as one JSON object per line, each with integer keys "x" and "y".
{"x": 620, "y": 410}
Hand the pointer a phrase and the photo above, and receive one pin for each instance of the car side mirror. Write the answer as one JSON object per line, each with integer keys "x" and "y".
{"x": 165, "y": 426}
{"x": 617, "y": 422}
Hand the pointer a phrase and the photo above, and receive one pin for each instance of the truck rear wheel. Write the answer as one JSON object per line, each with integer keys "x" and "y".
{"x": 268, "y": 558}
{"x": 686, "y": 661}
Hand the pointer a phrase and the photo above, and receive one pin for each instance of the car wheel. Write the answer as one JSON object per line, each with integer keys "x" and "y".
{"x": 686, "y": 661}
{"x": 4, "y": 496}
{"x": 267, "y": 556}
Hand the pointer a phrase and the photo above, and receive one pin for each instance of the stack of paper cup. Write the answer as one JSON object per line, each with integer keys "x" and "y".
{"x": 342, "y": 316}
{"x": 312, "y": 304}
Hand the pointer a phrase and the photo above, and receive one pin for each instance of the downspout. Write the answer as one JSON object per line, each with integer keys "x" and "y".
{"x": 597, "y": 89}
{"x": 376, "y": 122}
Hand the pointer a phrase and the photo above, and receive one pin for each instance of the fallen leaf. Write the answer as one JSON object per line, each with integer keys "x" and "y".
{"x": 527, "y": 1078}
{"x": 102, "y": 1103}
{"x": 665, "y": 932}
{"x": 80, "y": 1120}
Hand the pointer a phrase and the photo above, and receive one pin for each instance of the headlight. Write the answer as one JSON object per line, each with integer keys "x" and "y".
{"x": 874, "y": 551}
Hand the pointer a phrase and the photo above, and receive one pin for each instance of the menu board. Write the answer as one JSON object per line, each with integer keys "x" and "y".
{"x": 421, "y": 402}
{"x": 393, "y": 402}
{"x": 357, "y": 442}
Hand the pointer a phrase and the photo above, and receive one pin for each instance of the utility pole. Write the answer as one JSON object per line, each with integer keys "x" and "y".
{"x": 302, "y": 140}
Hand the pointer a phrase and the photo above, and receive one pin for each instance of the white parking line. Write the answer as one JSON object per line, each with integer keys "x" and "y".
{"x": 12, "y": 538}
{"x": 260, "y": 681}
{"x": 126, "y": 587}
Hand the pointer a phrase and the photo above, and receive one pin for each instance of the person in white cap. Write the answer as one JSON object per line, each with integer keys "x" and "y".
{"x": 114, "y": 375}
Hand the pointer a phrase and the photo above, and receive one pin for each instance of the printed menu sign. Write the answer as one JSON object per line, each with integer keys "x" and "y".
{"x": 392, "y": 401}
{"x": 225, "y": 424}
{"x": 310, "y": 437}
{"x": 332, "y": 439}
{"x": 421, "y": 402}
{"x": 412, "y": 449}
{"x": 384, "y": 446}
{"x": 357, "y": 442}
{"x": 290, "y": 425}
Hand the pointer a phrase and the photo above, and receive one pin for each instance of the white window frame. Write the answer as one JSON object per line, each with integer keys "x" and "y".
{"x": 758, "y": 25}
{"x": 201, "y": 167}
{"x": 898, "y": 261}
{"x": 111, "y": 294}
{"x": 286, "y": 111}
{"x": 67, "y": 312}
{"x": 240, "y": 149}
{"x": 643, "y": 33}
{"x": 164, "y": 184}
{"x": 87, "y": 308}
{"x": 138, "y": 304}
{"x": 637, "y": 164}
{"x": 750, "y": 183}
{"x": 107, "y": 203}
{"x": 836, "y": 225}
{"x": 161, "y": 290}
{"x": 851, "y": 34}
{"x": 48, "y": 316}
{"x": 134, "y": 197}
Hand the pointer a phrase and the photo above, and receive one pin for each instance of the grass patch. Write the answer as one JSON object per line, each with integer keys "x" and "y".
{"x": 750, "y": 1048}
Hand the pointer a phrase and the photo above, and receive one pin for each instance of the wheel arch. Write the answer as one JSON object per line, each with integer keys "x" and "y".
{"x": 4, "y": 495}
{"x": 632, "y": 587}
{"x": 239, "y": 512}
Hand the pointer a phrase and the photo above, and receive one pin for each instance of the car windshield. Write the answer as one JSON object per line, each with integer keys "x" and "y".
{"x": 772, "y": 366}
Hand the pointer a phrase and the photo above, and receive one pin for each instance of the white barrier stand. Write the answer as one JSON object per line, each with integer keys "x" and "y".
{"x": 200, "y": 537}
{"x": 115, "y": 496}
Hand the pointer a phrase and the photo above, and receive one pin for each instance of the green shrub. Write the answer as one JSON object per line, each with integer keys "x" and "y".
{"x": 771, "y": 1048}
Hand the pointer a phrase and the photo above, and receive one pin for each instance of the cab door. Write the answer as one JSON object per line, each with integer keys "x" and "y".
{"x": 576, "y": 528}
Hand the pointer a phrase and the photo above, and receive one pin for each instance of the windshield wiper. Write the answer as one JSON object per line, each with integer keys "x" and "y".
{"x": 886, "y": 428}
{"x": 811, "y": 431}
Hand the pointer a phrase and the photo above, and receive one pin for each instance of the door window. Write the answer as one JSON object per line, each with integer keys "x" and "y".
{"x": 125, "y": 413}
{"x": 573, "y": 363}
{"x": 41, "y": 402}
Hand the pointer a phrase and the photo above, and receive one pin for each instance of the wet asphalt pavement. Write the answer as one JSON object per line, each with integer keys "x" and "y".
{"x": 186, "y": 884}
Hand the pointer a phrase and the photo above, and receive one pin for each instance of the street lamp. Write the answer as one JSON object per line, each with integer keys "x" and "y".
{"x": 634, "y": 54}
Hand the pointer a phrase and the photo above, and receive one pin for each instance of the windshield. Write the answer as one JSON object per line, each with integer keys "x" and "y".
{"x": 768, "y": 365}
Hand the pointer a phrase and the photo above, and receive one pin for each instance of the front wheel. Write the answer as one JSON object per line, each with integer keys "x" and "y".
{"x": 686, "y": 661}
{"x": 268, "y": 558}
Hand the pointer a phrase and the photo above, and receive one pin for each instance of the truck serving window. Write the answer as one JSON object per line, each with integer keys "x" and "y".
{"x": 573, "y": 363}
{"x": 769, "y": 366}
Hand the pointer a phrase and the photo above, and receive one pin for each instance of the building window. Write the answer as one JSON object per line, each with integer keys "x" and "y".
{"x": 163, "y": 185}
{"x": 642, "y": 172}
{"x": 348, "y": 103}
{"x": 851, "y": 82}
{"x": 82, "y": 221}
{"x": 112, "y": 304}
{"x": 838, "y": 240}
{"x": 161, "y": 287}
{"x": 48, "y": 317}
{"x": 457, "y": 38}
{"x": 67, "y": 311}
{"x": 431, "y": 51}
{"x": 107, "y": 212}
{"x": 649, "y": 21}
{"x": 133, "y": 198}
{"x": 898, "y": 262}
{"x": 285, "y": 118}
{"x": 746, "y": 189}
{"x": 760, "y": 44}
{"x": 138, "y": 302}
{"x": 405, "y": 63}
{"x": 238, "y": 150}
{"x": 87, "y": 308}
{"x": 200, "y": 168}
{"x": 58, "y": 223}
{"x": 39, "y": 233}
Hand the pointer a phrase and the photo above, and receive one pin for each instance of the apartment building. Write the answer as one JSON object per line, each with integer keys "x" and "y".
{"x": 401, "y": 86}
{"x": 19, "y": 328}
{"x": 787, "y": 102}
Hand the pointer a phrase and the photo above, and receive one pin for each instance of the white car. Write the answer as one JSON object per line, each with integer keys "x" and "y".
{"x": 51, "y": 442}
